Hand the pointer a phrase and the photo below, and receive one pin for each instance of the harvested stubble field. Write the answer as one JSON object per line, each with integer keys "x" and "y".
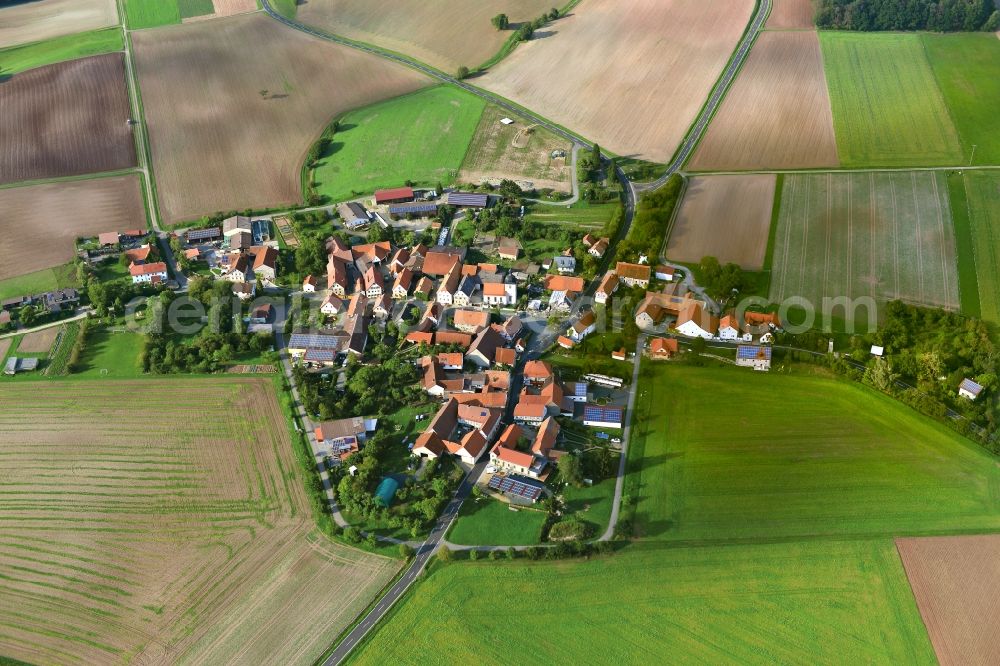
{"x": 441, "y": 33}
{"x": 631, "y": 75}
{"x": 822, "y": 602}
{"x": 232, "y": 106}
{"x": 887, "y": 107}
{"x": 884, "y": 235}
{"x": 36, "y": 21}
{"x": 956, "y": 581}
{"x": 777, "y": 115}
{"x": 59, "y": 213}
{"x": 177, "y": 532}
{"x": 727, "y": 217}
{"x": 790, "y": 15}
{"x": 519, "y": 151}
{"x": 39, "y": 342}
{"x": 65, "y": 120}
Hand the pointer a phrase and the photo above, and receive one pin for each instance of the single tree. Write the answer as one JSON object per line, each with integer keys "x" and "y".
{"x": 463, "y": 73}
{"x": 501, "y": 22}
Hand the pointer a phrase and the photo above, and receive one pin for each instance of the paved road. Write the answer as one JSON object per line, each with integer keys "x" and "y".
{"x": 139, "y": 131}
{"x": 425, "y": 552}
{"x": 81, "y": 313}
{"x": 715, "y": 99}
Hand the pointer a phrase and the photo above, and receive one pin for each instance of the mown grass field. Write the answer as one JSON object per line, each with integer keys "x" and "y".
{"x": 27, "y": 56}
{"x": 965, "y": 67}
{"x": 176, "y": 533}
{"x": 982, "y": 193}
{"x": 719, "y": 455}
{"x": 880, "y": 235}
{"x": 582, "y": 213}
{"x": 887, "y": 107}
{"x": 39, "y": 281}
{"x": 151, "y": 13}
{"x": 421, "y": 137}
{"x": 488, "y": 521}
{"x": 111, "y": 355}
{"x": 821, "y": 602}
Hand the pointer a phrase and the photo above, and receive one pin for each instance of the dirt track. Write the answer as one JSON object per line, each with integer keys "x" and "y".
{"x": 631, "y": 75}
{"x": 956, "y": 581}
{"x": 37, "y": 21}
{"x": 38, "y": 223}
{"x": 777, "y": 114}
{"x": 233, "y": 104}
{"x": 727, "y": 217}
{"x": 65, "y": 120}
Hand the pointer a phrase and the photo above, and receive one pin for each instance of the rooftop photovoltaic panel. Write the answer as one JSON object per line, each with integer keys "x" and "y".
{"x": 313, "y": 341}
{"x": 463, "y": 199}
{"x": 514, "y": 485}
{"x": 403, "y": 209}
{"x": 320, "y": 355}
{"x": 599, "y": 413}
{"x": 201, "y": 234}
{"x": 748, "y": 352}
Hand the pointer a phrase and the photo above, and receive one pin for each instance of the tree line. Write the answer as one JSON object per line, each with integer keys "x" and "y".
{"x": 934, "y": 15}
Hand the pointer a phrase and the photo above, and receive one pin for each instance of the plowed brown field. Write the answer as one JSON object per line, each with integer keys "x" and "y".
{"x": 726, "y": 217}
{"x": 39, "y": 342}
{"x": 777, "y": 114}
{"x": 65, "y": 120}
{"x": 175, "y": 532}
{"x": 790, "y": 15}
{"x": 38, "y": 20}
{"x": 629, "y": 74}
{"x": 38, "y": 223}
{"x": 442, "y": 33}
{"x": 233, "y": 104}
{"x": 956, "y": 581}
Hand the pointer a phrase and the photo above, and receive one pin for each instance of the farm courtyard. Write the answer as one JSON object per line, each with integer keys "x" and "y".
{"x": 165, "y": 534}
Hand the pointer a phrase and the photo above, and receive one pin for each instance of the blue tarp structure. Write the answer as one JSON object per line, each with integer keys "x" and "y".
{"x": 386, "y": 491}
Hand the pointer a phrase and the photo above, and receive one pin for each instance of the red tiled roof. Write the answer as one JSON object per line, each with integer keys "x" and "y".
{"x": 147, "y": 269}
{"x": 512, "y": 456}
{"x": 564, "y": 283}
{"x": 632, "y": 271}
{"x": 393, "y": 194}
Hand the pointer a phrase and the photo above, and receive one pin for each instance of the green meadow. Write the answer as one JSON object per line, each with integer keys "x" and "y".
{"x": 967, "y": 70}
{"x": 37, "y": 54}
{"x": 421, "y": 137}
{"x": 887, "y": 107}
{"x": 723, "y": 455}
{"x": 817, "y": 602}
{"x": 978, "y": 230}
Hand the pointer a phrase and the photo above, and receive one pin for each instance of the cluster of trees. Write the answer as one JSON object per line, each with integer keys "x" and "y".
{"x": 79, "y": 345}
{"x": 371, "y": 390}
{"x": 928, "y": 354}
{"x": 649, "y": 229}
{"x": 936, "y": 15}
{"x": 417, "y": 503}
{"x": 720, "y": 281}
{"x": 211, "y": 349}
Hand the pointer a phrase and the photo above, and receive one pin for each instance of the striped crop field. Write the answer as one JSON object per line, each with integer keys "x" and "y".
{"x": 887, "y": 107}
{"x": 886, "y": 236}
{"x": 156, "y": 522}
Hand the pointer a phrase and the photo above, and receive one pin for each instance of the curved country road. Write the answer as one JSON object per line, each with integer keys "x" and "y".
{"x": 632, "y": 190}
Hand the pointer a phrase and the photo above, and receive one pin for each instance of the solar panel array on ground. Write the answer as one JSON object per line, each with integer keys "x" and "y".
{"x": 750, "y": 352}
{"x": 515, "y": 485}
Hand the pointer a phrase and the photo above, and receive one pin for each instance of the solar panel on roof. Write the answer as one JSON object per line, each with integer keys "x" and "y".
{"x": 313, "y": 341}
{"x": 514, "y": 485}
{"x": 321, "y": 355}
{"x": 747, "y": 352}
{"x": 200, "y": 234}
